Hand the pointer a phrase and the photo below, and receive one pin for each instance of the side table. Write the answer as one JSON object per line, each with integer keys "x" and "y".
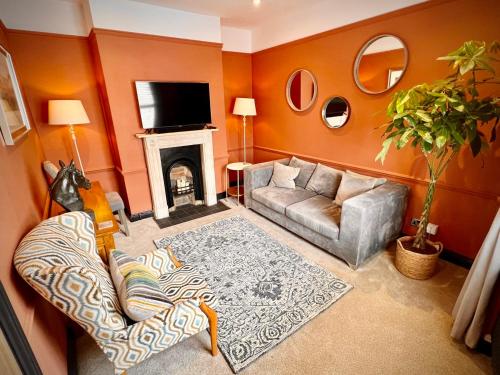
{"x": 104, "y": 223}
{"x": 237, "y": 191}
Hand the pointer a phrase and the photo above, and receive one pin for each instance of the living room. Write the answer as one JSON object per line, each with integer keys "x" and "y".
{"x": 271, "y": 76}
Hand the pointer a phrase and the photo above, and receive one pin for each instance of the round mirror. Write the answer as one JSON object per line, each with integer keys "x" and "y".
{"x": 336, "y": 112}
{"x": 380, "y": 64}
{"x": 301, "y": 90}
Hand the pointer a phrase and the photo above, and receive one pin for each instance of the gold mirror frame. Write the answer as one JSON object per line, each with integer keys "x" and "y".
{"x": 360, "y": 56}
{"x": 289, "y": 84}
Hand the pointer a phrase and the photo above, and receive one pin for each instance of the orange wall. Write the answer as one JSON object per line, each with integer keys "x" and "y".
{"x": 465, "y": 202}
{"x": 55, "y": 66}
{"x": 22, "y": 193}
{"x": 237, "y": 68}
{"x": 123, "y": 58}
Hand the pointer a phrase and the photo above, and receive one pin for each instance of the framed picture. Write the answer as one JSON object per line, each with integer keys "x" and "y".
{"x": 14, "y": 122}
{"x": 393, "y": 76}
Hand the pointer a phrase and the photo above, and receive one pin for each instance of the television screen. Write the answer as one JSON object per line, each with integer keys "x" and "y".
{"x": 173, "y": 104}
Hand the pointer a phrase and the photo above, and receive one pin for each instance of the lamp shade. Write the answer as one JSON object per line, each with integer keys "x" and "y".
{"x": 244, "y": 107}
{"x": 67, "y": 112}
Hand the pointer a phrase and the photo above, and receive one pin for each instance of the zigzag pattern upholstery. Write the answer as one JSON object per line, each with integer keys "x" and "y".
{"x": 59, "y": 259}
{"x": 185, "y": 283}
{"x": 158, "y": 261}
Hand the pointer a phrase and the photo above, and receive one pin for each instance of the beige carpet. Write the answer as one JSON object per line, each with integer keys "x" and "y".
{"x": 387, "y": 324}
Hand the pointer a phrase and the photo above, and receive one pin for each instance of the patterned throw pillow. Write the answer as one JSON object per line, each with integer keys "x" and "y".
{"x": 306, "y": 170}
{"x": 284, "y": 176}
{"x": 325, "y": 181}
{"x": 137, "y": 287}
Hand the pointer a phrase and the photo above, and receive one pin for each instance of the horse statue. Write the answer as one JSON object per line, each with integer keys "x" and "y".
{"x": 64, "y": 188}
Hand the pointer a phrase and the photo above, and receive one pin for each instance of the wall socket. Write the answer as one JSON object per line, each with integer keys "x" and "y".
{"x": 431, "y": 228}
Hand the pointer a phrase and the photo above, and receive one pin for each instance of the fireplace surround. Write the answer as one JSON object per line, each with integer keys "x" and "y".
{"x": 156, "y": 144}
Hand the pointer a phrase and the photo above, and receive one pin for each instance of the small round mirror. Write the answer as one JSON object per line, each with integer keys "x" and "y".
{"x": 336, "y": 112}
{"x": 380, "y": 64}
{"x": 301, "y": 90}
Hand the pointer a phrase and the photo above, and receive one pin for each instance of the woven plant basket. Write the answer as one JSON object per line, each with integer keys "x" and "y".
{"x": 415, "y": 265}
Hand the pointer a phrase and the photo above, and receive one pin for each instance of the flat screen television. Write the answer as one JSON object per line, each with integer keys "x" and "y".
{"x": 173, "y": 106}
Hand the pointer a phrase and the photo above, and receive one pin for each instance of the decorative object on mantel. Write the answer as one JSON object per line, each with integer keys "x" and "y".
{"x": 64, "y": 188}
{"x": 266, "y": 291}
{"x": 380, "y": 64}
{"x": 470, "y": 309}
{"x": 244, "y": 107}
{"x": 68, "y": 112}
{"x": 440, "y": 119}
{"x": 14, "y": 122}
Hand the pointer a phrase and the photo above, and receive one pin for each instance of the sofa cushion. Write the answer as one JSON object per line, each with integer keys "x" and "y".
{"x": 318, "y": 214}
{"x": 378, "y": 181}
{"x": 306, "y": 171}
{"x": 284, "y": 176}
{"x": 325, "y": 181}
{"x": 351, "y": 186}
{"x": 278, "y": 199}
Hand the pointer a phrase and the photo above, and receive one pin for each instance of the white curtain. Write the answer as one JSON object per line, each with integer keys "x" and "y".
{"x": 470, "y": 308}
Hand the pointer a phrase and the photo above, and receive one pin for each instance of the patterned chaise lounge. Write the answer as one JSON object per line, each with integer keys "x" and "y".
{"x": 58, "y": 258}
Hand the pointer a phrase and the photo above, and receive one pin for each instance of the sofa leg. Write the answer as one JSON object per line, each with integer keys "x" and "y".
{"x": 353, "y": 266}
{"x": 212, "y": 321}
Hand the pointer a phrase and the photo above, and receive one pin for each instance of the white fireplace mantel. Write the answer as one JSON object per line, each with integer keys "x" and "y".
{"x": 153, "y": 143}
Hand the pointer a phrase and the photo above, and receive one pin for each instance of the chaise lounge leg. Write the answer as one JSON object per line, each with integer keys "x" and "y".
{"x": 172, "y": 257}
{"x": 212, "y": 321}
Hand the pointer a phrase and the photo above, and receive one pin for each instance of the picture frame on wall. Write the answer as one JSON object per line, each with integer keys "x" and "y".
{"x": 14, "y": 122}
{"x": 393, "y": 76}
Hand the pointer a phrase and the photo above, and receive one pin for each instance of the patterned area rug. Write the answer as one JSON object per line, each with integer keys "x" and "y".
{"x": 266, "y": 290}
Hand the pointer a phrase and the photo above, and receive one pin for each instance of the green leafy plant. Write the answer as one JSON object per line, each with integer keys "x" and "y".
{"x": 442, "y": 117}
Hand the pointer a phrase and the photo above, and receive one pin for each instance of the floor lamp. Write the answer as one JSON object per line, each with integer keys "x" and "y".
{"x": 68, "y": 112}
{"x": 244, "y": 107}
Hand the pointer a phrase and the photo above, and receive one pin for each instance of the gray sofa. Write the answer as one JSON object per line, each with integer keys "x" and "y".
{"x": 353, "y": 232}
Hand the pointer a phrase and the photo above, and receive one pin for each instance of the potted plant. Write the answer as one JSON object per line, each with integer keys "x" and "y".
{"x": 439, "y": 119}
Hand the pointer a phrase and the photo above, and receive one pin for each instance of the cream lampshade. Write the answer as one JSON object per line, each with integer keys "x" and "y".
{"x": 68, "y": 112}
{"x": 244, "y": 107}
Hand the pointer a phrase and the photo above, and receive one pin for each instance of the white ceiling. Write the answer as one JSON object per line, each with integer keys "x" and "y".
{"x": 237, "y": 13}
{"x": 245, "y": 27}
{"x": 243, "y": 14}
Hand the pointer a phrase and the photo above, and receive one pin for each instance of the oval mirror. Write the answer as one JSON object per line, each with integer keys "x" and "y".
{"x": 380, "y": 64}
{"x": 301, "y": 90}
{"x": 336, "y": 112}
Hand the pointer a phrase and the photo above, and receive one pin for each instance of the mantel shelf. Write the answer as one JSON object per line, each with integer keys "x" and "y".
{"x": 172, "y": 134}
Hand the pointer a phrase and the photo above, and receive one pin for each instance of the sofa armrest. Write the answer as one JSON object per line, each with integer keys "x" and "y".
{"x": 257, "y": 176}
{"x": 372, "y": 219}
